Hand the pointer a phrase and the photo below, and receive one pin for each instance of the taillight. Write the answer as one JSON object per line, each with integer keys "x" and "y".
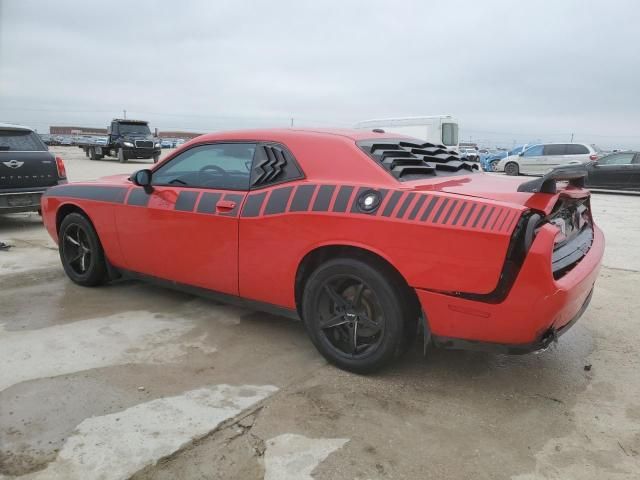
{"x": 593, "y": 157}
{"x": 62, "y": 172}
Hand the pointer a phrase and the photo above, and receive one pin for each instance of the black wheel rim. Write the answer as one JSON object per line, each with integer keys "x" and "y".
{"x": 350, "y": 318}
{"x": 76, "y": 249}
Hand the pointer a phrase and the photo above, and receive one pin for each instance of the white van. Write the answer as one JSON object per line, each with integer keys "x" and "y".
{"x": 437, "y": 129}
{"x": 538, "y": 159}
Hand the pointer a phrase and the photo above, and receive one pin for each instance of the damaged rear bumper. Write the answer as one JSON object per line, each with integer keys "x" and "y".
{"x": 535, "y": 312}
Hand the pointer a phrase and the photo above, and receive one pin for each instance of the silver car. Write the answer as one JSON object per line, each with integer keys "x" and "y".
{"x": 537, "y": 159}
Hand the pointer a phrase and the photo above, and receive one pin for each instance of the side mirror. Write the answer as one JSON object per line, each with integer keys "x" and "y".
{"x": 142, "y": 178}
{"x": 521, "y": 154}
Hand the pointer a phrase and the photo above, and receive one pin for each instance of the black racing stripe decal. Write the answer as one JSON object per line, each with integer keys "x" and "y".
{"x": 323, "y": 199}
{"x": 515, "y": 217}
{"x": 477, "y": 219}
{"x": 356, "y": 209}
{"x": 207, "y": 203}
{"x": 486, "y": 220}
{"x": 405, "y": 205}
{"x": 301, "y": 198}
{"x": 138, "y": 197}
{"x": 459, "y": 214}
{"x": 393, "y": 201}
{"x": 98, "y": 193}
{"x": 440, "y": 210}
{"x": 493, "y": 225}
{"x": 504, "y": 219}
{"x": 278, "y": 201}
{"x": 451, "y": 209}
{"x": 235, "y": 198}
{"x": 416, "y": 208}
{"x": 253, "y": 204}
{"x": 466, "y": 220}
{"x": 427, "y": 210}
{"x": 342, "y": 200}
{"x": 186, "y": 201}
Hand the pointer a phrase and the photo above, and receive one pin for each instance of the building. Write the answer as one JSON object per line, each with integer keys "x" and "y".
{"x": 185, "y": 135}
{"x": 66, "y": 130}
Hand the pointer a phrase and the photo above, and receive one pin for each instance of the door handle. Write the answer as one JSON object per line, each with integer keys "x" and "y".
{"x": 225, "y": 205}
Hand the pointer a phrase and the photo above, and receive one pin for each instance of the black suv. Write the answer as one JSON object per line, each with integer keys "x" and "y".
{"x": 27, "y": 169}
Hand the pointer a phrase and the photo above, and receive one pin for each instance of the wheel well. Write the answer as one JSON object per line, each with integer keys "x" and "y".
{"x": 65, "y": 210}
{"x": 315, "y": 258}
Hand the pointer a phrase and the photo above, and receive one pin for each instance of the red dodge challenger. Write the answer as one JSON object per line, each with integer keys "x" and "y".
{"x": 368, "y": 237}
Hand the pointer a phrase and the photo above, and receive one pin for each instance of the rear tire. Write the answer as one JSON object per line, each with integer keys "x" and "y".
{"x": 81, "y": 252}
{"x": 355, "y": 316}
{"x": 512, "y": 168}
{"x": 122, "y": 157}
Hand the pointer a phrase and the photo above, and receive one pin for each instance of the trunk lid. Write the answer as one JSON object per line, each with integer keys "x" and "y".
{"x": 499, "y": 188}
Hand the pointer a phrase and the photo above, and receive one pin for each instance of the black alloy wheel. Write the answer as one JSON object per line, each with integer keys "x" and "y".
{"x": 80, "y": 251}
{"x": 356, "y": 314}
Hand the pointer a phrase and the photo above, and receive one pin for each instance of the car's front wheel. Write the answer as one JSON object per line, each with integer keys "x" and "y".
{"x": 355, "y": 314}
{"x": 81, "y": 252}
{"x": 512, "y": 168}
{"x": 493, "y": 166}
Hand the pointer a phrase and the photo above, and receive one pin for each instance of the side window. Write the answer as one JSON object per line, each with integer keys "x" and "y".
{"x": 576, "y": 149}
{"x": 534, "y": 151}
{"x": 273, "y": 164}
{"x": 221, "y": 165}
{"x": 450, "y": 134}
{"x": 554, "y": 149}
{"x": 617, "y": 159}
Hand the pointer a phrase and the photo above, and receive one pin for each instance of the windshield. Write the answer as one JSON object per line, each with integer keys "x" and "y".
{"x": 20, "y": 141}
{"x": 125, "y": 128}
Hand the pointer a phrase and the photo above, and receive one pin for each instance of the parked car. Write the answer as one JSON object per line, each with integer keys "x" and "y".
{"x": 363, "y": 235}
{"x": 616, "y": 171}
{"x": 537, "y": 159}
{"x": 27, "y": 169}
{"x": 470, "y": 154}
{"x": 167, "y": 144}
{"x": 490, "y": 162}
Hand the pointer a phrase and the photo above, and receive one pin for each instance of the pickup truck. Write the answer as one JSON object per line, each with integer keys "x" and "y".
{"x": 27, "y": 169}
{"x": 126, "y": 139}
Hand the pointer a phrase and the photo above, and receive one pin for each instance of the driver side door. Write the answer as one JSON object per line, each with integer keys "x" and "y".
{"x": 186, "y": 229}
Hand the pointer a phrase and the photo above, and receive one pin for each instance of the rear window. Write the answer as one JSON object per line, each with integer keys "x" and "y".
{"x": 576, "y": 149}
{"x": 20, "y": 141}
{"x": 413, "y": 159}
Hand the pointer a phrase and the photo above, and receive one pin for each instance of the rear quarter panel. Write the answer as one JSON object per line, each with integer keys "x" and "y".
{"x": 437, "y": 241}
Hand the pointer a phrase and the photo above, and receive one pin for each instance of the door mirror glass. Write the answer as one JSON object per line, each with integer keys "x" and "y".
{"x": 142, "y": 178}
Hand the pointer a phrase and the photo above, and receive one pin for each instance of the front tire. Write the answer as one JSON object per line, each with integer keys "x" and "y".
{"x": 493, "y": 166}
{"x": 512, "y": 168}
{"x": 81, "y": 252}
{"x": 355, "y": 316}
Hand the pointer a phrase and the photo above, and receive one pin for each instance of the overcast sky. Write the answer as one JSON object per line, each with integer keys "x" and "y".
{"x": 509, "y": 71}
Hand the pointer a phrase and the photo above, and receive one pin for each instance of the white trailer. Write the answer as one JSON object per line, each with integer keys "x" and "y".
{"x": 437, "y": 129}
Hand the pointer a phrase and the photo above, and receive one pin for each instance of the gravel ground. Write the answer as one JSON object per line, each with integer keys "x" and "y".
{"x": 131, "y": 380}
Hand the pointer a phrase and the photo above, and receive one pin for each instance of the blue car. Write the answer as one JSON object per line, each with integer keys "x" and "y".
{"x": 489, "y": 162}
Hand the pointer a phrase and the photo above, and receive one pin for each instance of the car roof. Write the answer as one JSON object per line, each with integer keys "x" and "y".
{"x": 13, "y": 126}
{"x": 280, "y": 134}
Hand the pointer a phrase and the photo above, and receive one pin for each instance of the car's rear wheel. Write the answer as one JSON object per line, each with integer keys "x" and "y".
{"x": 122, "y": 158}
{"x": 512, "y": 168}
{"x": 81, "y": 252}
{"x": 356, "y": 317}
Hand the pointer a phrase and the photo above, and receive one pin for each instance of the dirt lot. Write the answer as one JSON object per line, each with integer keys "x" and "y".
{"x": 131, "y": 380}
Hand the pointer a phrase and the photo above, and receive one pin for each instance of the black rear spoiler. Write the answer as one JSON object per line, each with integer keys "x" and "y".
{"x": 574, "y": 174}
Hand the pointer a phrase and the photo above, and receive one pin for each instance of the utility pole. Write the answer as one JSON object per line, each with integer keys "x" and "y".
{"x": 125, "y": 114}
{"x": 572, "y": 138}
{"x": 291, "y": 122}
